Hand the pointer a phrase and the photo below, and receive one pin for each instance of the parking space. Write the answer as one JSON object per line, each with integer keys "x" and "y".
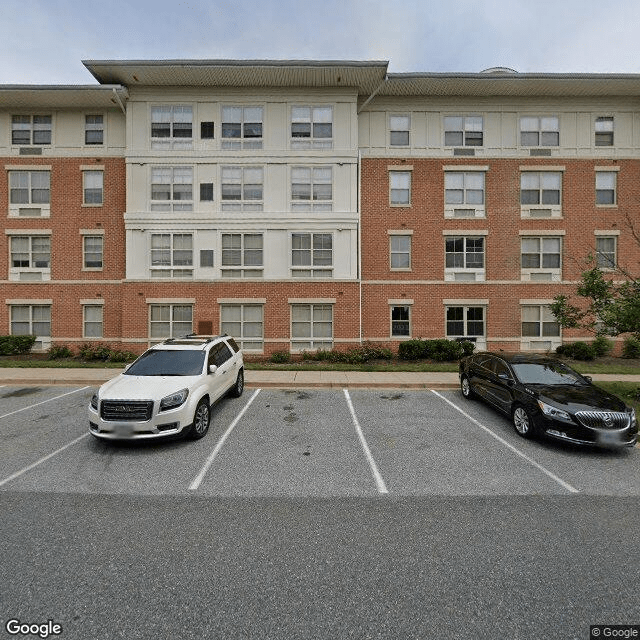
{"x": 303, "y": 442}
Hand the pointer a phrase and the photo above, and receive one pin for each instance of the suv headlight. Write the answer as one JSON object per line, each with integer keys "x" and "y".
{"x": 174, "y": 400}
{"x": 552, "y": 412}
{"x": 94, "y": 401}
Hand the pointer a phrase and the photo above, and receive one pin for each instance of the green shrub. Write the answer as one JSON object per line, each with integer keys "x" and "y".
{"x": 412, "y": 350}
{"x": 601, "y": 346}
{"x": 116, "y": 355}
{"x": 440, "y": 350}
{"x": 59, "y": 351}
{"x": 631, "y": 347}
{"x": 577, "y": 350}
{"x": 280, "y": 357}
{"x": 14, "y": 345}
{"x": 96, "y": 351}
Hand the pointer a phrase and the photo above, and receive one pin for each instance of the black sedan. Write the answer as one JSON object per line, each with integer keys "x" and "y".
{"x": 544, "y": 396}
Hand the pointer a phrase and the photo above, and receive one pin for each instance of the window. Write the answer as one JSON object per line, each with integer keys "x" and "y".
{"x": 242, "y": 127}
{"x": 170, "y": 320}
{"x": 93, "y": 130}
{"x": 399, "y": 127}
{"x": 93, "y": 182}
{"x": 540, "y": 194}
{"x": 400, "y": 188}
{"x": 400, "y": 321}
{"x": 606, "y": 182}
{"x": 604, "y": 131}
{"x": 171, "y": 189}
{"x": 92, "y": 320}
{"x": 171, "y": 127}
{"x": 92, "y": 252}
{"x": 311, "y": 188}
{"x": 32, "y": 320}
{"x": 464, "y": 194}
{"x": 606, "y": 252}
{"x": 30, "y": 257}
{"x": 311, "y": 326}
{"x": 463, "y": 131}
{"x": 539, "y": 322}
{"x": 26, "y": 130}
{"x": 242, "y": 255}
{"x": 245, "y": 323}
{"x": 207, "y": 130}
{"x": 206, "y": 192}
{"x": 311, "y": 127}
{"x": 311, "y": 255}
{"x": 464, "y": 258}
{"x": 541, "y": 257}
{"x": 400, "y": 251}
{"x": 29, "y": 187}
{"x": 242, "y": 188}
{"x": 465, "y": 322}
{"x": 539, "y": 131}
{"x": 171, "y": 255}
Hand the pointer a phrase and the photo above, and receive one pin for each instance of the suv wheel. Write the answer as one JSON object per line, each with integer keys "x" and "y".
{"x": 201, "y": 419}
{"x": 238, "y": 387}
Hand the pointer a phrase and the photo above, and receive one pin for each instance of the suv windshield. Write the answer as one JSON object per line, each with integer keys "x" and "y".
{"x": 167, "y": 363}
{"x": 547, "y": 373}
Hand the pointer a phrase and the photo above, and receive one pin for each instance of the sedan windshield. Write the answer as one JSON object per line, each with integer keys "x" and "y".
{"x": 546, "y": 373}
{"x": 167, "y": 363}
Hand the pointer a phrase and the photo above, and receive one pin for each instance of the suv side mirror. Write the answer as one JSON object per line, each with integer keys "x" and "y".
{"x": 213, "y": 368}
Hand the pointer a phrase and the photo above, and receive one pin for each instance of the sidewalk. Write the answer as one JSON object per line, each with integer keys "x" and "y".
{"x": 282, "y": 379}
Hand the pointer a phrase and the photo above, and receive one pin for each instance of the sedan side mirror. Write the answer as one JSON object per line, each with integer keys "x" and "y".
{"x": 213, "y": 368}
{"x": 505, "y": 377}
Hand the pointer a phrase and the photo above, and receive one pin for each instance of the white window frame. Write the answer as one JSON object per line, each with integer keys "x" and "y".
{"x": 398, "y": 179}
{"x": 88, "y": 251}
{"x": 241, "y": 268}
{"x": 174, "y": 115}
{"x": 606, "y": 260}
{"x": 541, "y": 273}
{"x": 308, "y": 259}
{"x": 603, "y": 129}
{"x": 465, "y": 273}
{"x": 545, "y": 128}
{"x": 97, "y": 322}
{"x": 92, "y": 186}
{"x": 460, "y": 181}
{"x": 245, "y": 180}
{"x": 545, "y": 321}
{"x": 178, "y": 327}
{"x": 606, "y": 183}
{"x": 404, "y": 305}
{"x": 397, "y": 250}
{"x": 536, "y": 181}
{"x": 174, "y": 268}
{"x": 309, "y": 188}
{"x": 43, "y": 338}
{"x": 31, "y": 272}
{"x": 480, "y": 340}
{"x": 245, "y": 140}
{"x": 243, "y": 325}
{"x": 171, "y": 178}
{"x": 400, "y": 125}
{"x": 466, "y": 128}
{"x": 31, "y": 208}
{"x": 37, "y": 126}
{"x": 311, "y": 126}
{"x": 92, "y": 127}
{"x": 310, "y": 339}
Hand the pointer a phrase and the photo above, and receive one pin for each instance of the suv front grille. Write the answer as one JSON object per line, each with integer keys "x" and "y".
{"x": 126, "y": 410}
{"x": 603, "y": 419}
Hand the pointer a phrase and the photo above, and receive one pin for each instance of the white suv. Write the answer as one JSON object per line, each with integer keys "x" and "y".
{"x": 168, "y": 390}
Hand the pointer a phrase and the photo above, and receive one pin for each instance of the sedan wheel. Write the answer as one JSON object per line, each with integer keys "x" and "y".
{"x": 523, "y": 422}
{"x": 201, "y": 419}
{"x": 466, "y": 388}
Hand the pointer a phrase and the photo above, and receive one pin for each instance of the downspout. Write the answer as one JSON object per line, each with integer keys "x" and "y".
{"x": 117, "y": 97}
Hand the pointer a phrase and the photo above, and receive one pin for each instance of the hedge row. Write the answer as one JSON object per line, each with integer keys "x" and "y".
{"x": 439, "y": 350}
{"x": 14, "y": 345}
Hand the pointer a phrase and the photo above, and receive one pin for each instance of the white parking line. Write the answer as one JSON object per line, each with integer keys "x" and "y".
{"x": 382, "y": 488}
{"x": 203, "y": 472}
{"x": 6, "y": 415}
{"x": 35, "y": 464}
{"x": 562, "y": 483}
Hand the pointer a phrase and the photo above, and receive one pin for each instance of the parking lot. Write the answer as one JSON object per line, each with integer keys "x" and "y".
{"x": 303, "y": 442}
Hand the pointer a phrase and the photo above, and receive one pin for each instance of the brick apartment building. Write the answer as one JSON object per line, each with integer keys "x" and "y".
{"x": 305, "y": 205}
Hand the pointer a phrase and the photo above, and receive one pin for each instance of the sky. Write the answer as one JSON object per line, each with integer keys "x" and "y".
{"x": 45, "y": 41}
